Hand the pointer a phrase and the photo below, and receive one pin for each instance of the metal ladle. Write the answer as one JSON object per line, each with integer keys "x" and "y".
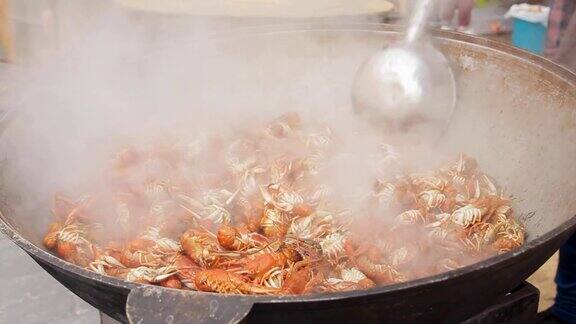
{"x": 409, "y": 86}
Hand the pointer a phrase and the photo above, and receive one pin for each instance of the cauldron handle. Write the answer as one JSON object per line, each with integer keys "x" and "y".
{"x": 152, "y": 304}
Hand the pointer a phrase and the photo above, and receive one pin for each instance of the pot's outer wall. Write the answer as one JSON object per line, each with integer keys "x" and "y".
{"x": 516, "y": 114}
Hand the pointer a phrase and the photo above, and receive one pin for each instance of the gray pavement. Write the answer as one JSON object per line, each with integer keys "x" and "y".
{"x": 29, "y": 295}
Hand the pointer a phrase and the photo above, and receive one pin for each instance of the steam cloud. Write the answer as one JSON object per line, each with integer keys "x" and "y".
{"x": 115, "y": 82}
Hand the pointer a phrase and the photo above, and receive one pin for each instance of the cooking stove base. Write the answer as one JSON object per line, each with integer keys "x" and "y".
{"x": 518, "y": 307}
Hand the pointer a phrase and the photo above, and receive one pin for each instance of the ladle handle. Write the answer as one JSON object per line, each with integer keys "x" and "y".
{"x": 418, "y": 21}
{"x": 153, "y": 304}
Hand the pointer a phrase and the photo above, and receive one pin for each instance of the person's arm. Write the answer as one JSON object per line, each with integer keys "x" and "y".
{"x": 567, "y": 50}
{"x": 554, "y": 27}
{"x": 6, "y": 41}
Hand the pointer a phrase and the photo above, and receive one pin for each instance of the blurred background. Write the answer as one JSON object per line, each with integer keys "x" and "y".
{"x": 29, "y": 26}
{"x": 31, "y": 30}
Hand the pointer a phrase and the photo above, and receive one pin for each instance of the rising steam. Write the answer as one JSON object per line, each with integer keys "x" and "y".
{"x": 116, "y": 84}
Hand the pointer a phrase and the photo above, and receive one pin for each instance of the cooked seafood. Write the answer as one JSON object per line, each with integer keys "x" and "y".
{"x": 268, "y": 223}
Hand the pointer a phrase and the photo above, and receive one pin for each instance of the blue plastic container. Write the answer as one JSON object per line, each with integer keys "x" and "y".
{"x": 529, "y": 36}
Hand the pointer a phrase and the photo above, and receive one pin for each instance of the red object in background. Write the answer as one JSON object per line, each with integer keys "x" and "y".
{"x": 496, "y": 27}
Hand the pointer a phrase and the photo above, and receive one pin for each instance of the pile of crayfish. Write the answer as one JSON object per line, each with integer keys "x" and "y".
{"x": 250, "y": 212}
